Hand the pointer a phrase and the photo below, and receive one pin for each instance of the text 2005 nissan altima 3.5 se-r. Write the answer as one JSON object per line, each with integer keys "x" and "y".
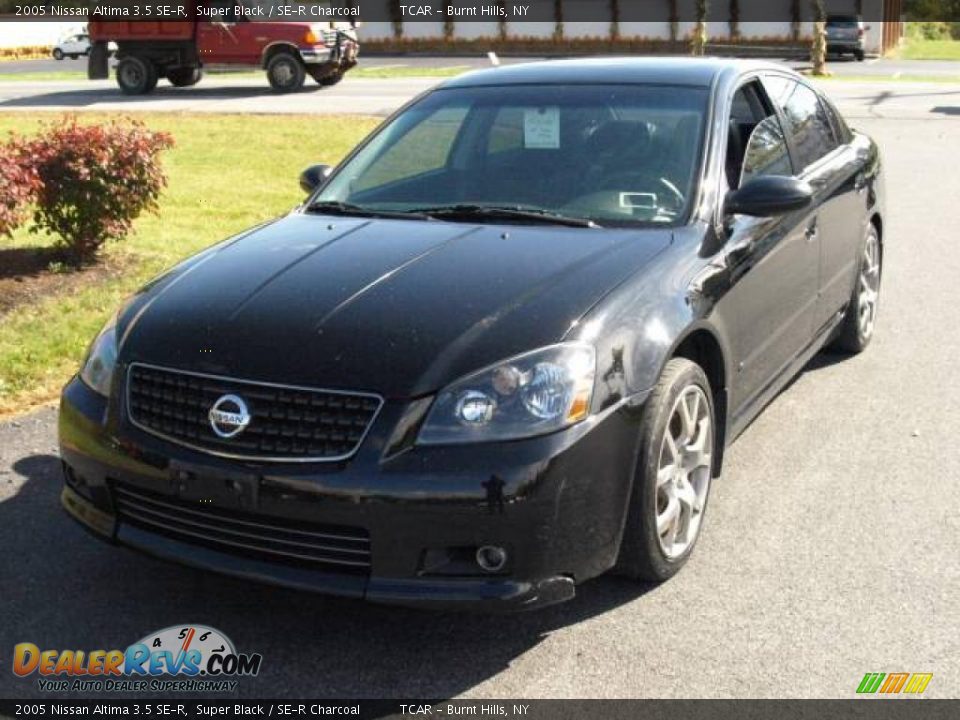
{"x": 501, "y": 347}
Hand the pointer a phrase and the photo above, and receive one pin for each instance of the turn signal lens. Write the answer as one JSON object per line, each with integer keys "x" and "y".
{"x": 310, "y": 38}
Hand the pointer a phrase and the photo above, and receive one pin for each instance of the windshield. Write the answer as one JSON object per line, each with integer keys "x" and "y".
{"x": 611, "y": 154}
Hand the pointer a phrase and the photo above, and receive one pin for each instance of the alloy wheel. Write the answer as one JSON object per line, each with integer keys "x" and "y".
{"x": 869, "y": 285}
{"x": 685, "y": 466}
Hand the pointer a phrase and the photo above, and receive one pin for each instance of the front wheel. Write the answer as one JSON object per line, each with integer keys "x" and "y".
{"x": 285, "y": 72}
{"x": 57, "y": 54}
{"x": 858, "y": 325}
{"x": 859, "y": 55}
{"x": 672, "y": 476}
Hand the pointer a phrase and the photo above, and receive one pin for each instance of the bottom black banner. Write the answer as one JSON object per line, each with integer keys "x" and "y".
{"x": 874, "y": 709}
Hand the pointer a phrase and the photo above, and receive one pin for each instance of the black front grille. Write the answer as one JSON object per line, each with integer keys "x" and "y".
{"x": 286, "y": 423}
{"x": 326, "y": 547}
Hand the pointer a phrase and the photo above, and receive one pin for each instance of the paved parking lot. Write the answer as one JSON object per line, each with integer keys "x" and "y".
{"x": 831, "y": 547}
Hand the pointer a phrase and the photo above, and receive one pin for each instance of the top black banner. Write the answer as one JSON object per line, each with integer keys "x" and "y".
{"x": 483, "y": 11}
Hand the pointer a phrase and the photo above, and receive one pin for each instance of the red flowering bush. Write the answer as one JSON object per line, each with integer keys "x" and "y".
{"x": 95, "y": 180}
{"x": 19, "y": 184}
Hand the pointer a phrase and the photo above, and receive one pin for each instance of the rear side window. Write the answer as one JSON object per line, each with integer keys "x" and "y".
{"x": 840, "y": 127}
{"x": 807, "y": 122}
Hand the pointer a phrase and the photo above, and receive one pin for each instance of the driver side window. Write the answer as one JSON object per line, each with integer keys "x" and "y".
{"x": 755, "y": 141}
{"x": 766, "y": 152}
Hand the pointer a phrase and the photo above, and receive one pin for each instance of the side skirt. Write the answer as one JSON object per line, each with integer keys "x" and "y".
{"x": 748, "y": 412}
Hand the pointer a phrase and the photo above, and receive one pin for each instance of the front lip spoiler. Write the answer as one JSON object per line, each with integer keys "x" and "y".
{"x": 473, "y": 594}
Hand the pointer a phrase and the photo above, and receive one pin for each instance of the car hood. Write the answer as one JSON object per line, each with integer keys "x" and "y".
{"x": 398, "y": 307}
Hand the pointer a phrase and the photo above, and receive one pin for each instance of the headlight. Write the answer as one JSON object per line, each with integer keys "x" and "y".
{"x": 97, "y": 370}
{"x": 531, "y": 394}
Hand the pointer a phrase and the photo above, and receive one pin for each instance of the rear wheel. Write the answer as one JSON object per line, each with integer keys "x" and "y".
{"x": 136, "y": 75}
{"x": 184, "y": 77}
{"x": 858, "y": 325}
{"x": 672, "y": 477}
{"x": 285, "y": 72}
{"x": 859, "y": 55}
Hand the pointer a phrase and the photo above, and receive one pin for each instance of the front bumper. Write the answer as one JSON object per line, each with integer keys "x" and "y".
{"x": 556, "y": 503}
{"x": 343, "y": 54}
{"x": 844, "y": 46}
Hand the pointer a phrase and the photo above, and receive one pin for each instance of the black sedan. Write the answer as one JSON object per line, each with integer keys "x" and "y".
{"x": 502, "y": 346}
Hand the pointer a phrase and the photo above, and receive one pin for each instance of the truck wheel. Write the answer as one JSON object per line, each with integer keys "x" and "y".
{"x": 285, "y": 72}
{"x": 57, "y": 54}
{"x": 136, "y": 76}
{"x": 184, "y": 77}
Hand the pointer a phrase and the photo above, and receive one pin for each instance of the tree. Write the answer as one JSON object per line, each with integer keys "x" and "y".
{"x": 448, "y": 28}
{"x": 734, "y": 19}
{"x": 614, "y": 19}
{"x": 795, "y": 19}
{"x": 502, "y": 24}
{"x": 558, "y": 19}
{"x": 818, "y": 49}
{"x": 396, "y": 19}
{"x": 698, "y": 43}
{"x": 674, "y": 21}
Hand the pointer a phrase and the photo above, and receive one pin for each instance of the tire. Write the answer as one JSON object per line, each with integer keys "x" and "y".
{"x": 184, "y": 77}
{"x": 285, "y": 72}
{"x": 154, "y": 79}
{"x": 859, "y": 55}
{"x": 135, "y": 75}
{"x": 57, "y": 54}
{"x": 660, "y": 483}
{"x": 857, "y": 329}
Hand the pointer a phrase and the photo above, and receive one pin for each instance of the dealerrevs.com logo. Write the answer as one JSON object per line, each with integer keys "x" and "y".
{"x": 181, "y": 658}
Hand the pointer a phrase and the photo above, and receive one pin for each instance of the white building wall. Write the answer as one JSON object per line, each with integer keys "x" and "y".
{"x": 477, "y": 29}
{"x": 26, "y": 34}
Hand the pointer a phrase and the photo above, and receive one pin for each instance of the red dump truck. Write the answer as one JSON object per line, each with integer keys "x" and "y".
{"x": 220, "y": 33}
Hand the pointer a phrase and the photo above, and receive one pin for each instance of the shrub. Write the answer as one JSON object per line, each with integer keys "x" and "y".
{"x": 18, "y": 185}
{"x": 928, "y": 30}
{"x": 95, "y": 180}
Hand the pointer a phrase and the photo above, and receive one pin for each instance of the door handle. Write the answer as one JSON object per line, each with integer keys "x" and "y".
{"x": 813, "y": 229}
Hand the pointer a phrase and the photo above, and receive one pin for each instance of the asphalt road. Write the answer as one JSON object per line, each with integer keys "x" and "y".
{"x": 860, "y": 96}
{"x": 831, "y": 547}
{"x": 843, "y": 66}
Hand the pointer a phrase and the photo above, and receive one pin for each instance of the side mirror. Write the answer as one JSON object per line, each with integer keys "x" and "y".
{"x": 769, "y": 195}
{"x": 314, "y": 176}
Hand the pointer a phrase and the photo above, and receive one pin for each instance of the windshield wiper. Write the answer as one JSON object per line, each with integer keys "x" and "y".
{"x": 500, "y": 212}
{"x": 336, "y": 207}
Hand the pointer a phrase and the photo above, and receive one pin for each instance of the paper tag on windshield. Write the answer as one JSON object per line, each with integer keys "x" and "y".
{"x": 541, "y": 128}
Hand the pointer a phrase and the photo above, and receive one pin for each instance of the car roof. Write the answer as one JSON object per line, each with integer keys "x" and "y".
{"x": 625, "y": 70}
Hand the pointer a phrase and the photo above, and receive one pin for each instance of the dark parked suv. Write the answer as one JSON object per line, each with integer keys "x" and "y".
{"x": 845, "y": 35}
{"x": 500, "y": 349}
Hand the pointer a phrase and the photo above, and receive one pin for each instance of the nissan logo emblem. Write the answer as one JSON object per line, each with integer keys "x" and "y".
{"x": 229, "y": 416}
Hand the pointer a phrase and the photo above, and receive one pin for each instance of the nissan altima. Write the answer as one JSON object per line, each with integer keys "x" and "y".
{"x": 499, "y": 350}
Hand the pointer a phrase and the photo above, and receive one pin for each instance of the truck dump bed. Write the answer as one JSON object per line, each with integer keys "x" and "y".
{"x": 140, "y": 30}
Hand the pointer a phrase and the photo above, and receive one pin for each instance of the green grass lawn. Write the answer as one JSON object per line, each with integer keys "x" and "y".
{"x": 918, "y": 49}
{"x": 361, "y": 71}
{"x": 226, "y": 173}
